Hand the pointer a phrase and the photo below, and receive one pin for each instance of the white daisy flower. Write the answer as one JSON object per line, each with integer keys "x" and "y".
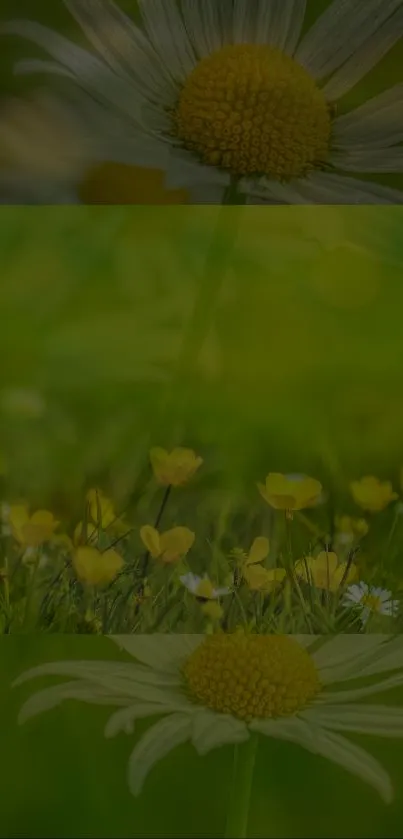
{"x": 218, "y": 93}
{"x": 372, "y": 600}
{"x": 218, "y": 689}
{"x": 202, "y": 586}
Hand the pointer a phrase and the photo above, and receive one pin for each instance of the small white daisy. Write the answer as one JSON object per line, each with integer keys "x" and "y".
{"x": 235, "y": 92}
{"x": 202, "y": 586}
{"x": 200, "y": 687}
{"x": 371, "y": 599}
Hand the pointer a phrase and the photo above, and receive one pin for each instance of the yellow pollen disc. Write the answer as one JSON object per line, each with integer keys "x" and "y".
{"x": 372, "y": 602}
{"x": 253, "y": 110}
{"x": 251, "y": 676}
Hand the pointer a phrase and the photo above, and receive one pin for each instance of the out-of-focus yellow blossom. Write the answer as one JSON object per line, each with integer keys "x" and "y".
{"x": 288, "y": 493}
{"x": 85, "y": 533}
{"x": 94, "y": 568}
{"x": 372, "y": 494}
{"x": 102, "y": 513}
{"x": 325, "y": 572}
{"x": 212, "y": 610}
{"x": 349, "y": 528}
{"x": 31, "y": 530}
{"x": 174, "y": 468}
{"x": 117, "y": 183}
{"x": 170, "y": 546}
{"x": 263, "y": 579}
{"x": 256, "y": 577}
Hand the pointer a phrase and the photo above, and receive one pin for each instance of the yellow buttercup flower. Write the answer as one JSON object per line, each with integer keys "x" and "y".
{"x": 94, "y": 568}
{"x": 324, "y": 571}
{"x": 372, "y": 494}
{"x": 116, "y": 183}
{"x": 174, "y": 468}
{"x": 349, "y": 528}
{"x": 31, "y": 530}
{"x": 102, "y": 513}
{"x": 170, "y": 546}
{"x": 85, "y": 533}
{"x": 263, "y": 579}
{"x": 289, "y": 493}
{"x": 256, "y": 577}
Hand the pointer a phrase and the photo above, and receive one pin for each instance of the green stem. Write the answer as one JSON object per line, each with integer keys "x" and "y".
{"x": 241, "y": 788}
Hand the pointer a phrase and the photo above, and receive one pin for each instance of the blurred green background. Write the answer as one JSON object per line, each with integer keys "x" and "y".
{"x": 299, "y": 366}
{"x": 60, "y": 778}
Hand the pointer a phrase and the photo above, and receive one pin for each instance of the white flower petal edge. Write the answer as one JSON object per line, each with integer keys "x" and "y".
{"x": 209, "y": 731}
{"x": 379, "y": 720}
{"x": 149, "y": 650}
{"x": 155, "y": 744}
{"x": 332, "y": 746}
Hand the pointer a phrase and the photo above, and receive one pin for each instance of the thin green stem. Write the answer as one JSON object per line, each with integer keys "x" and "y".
{"x": 241, "y": 789}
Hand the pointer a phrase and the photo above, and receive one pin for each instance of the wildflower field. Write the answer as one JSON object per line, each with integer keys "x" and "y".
{"x": 174, "y": 469}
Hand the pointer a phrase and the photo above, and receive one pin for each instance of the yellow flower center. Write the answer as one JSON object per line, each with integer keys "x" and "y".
{"x": 251, "y": 676}
{"x": 253, "y": 110}
{"x": 370, "y": 601}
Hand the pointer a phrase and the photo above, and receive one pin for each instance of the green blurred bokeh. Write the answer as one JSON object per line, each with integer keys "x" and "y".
{"x": 299, "y": 366}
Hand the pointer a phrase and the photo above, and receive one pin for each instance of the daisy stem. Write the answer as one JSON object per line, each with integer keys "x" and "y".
{"x": 241, "y": 788}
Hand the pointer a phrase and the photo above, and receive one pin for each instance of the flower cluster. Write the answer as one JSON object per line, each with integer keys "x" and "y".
{"x": 302, "y": 570}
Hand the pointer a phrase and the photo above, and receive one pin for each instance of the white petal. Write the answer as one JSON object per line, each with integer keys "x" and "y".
{"x": 206, "y": 194}
{"x": 183, "y": 171}
{"x": 280, "y": 23}
{"x": 342, "y": 654}
{"x": 158, "y": 741}
{"x": 245, "y": 21}
{"x": 376, "y": 124}
{"x": 210, "y": 730}
{"x": 368, "y": 55}
{"x": 380, "y": 160}
{"x": 122, "y": 680}
{"x": 28, "y": 66}
{"x": 167, "y": 33}
{"x": 209, "y": 24}
{"x": 331, "y": 697}
{"x": 379, "y": 720}
{"x": 162, "y": 652}
{"x": 122, "y": 44}
{"x": 49, "y": 698}
{"x": 123, "y": 720}
{"x": 273, "y": 192}
{"x": 333, "y": 747}
{"x": 322, "y": 188}
{"x": 340, "y": 31}
{"x": 91, "y": 73}
{"x": 388, "y": 658}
